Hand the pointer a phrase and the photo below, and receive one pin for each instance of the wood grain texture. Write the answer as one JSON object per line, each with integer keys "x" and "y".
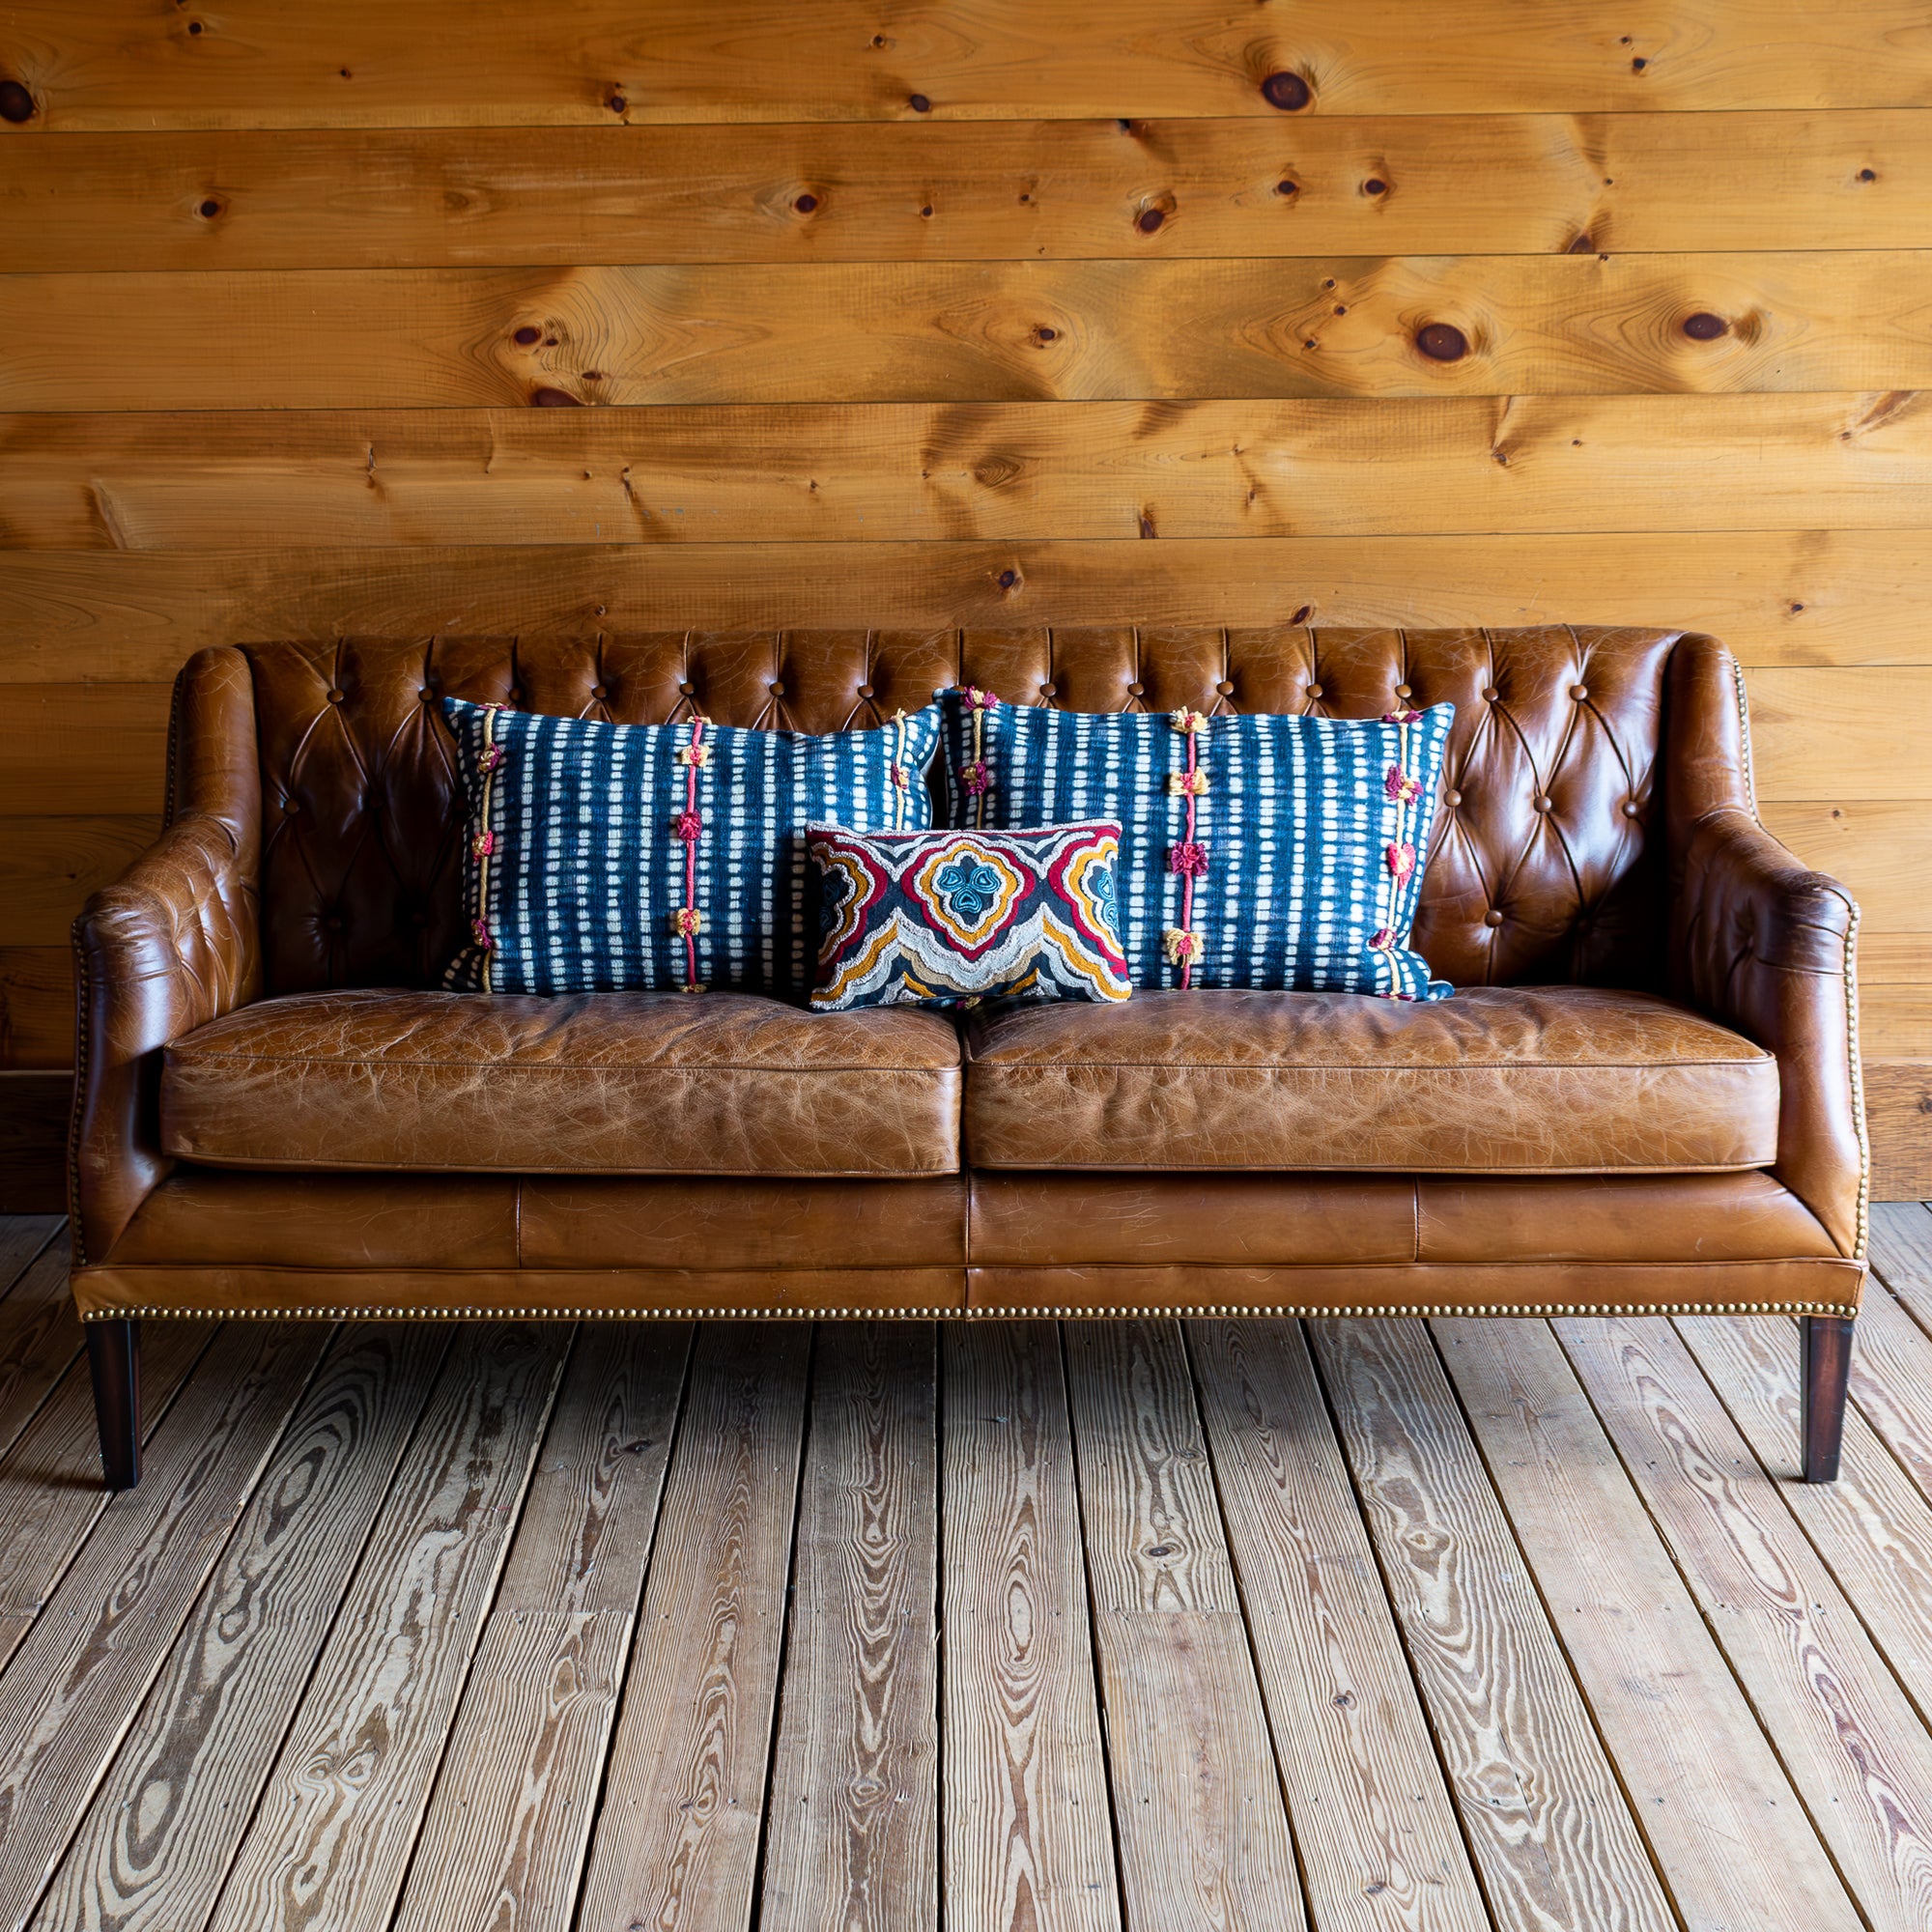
{"x": 171, "y": 1812}
{"x": 1203, "y": 1835}
{"x": 1029, "y": 1839}
{"x": 51, "y": 1495}
{"x": 1873, "y": 1526}
{"x": 1853, "y": 1747}
{"x": 1862, "y": 842}
{"x": 1898, "y": 1119}
{"x": 34, "y": 1112}
{"x": 340, "y": 1812}
{"x": 22, "y": 1237}
{"x": 1729, "y": 1835}
{"x": 66, "y": 747}
{"x": 1547, "y": 1820}
{"x": 504, "y": 1838}
{"x": 984, "y": 472}
{"x": 1403, "y": 184}
{"x": 1901, "y": 1254}
{"x": 1893, "y": 1020}
{"x": 39, "y": 1333}
{"x": 36, "y": 1005}
{"x": 1378, "y": 1834}
{"x": 119, "y": 65}
{"x": 49, "y": 865}
{"x": 1891, "y": 1381}
{"x": 1795, "y": 598}
{"x": 853, "y": 1838}
{"x": 72, "y": 1688}
{"x": 677, "y": 1842}
{"x": 893, "y": 331}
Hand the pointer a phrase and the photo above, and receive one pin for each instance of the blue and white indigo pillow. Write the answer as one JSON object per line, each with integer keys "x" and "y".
{"x": 612, "y": 858}
{"x": 1258, "y": 850}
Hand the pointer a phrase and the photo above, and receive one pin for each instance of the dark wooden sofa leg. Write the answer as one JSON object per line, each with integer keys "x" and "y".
{"x": 1827, "y": 1373}
{"x": 114, "y": 1359}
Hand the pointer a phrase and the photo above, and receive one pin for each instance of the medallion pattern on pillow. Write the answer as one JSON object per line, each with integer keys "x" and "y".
{"x": 1256, "y": 850}
{"x": 612, "y": 858}
{"x": 947, "y": 918}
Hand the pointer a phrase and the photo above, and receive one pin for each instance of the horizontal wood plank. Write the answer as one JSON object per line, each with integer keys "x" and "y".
{"x": 49, "y": 865}
{"x": 1894, "y": 1018}
{"x": 1898, "y": 1114}
{"x": 120, "y": 63}
{"x": 84, "y": 747}
{"x": 1869, "y": 844}
{"x": 829, "y": 191}
{"x": 36, "y": 1005}
{"x": 1005, "y": 471}
{"x": 955, "y": 332}
{"x": 1818, "y": 732}
{"x": 34, "y": 1110}
{"x": 1809, "y": 597}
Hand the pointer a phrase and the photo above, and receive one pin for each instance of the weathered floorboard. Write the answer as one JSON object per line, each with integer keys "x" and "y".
{"x": 360, "y": 63}
{"x": 1729, "y": 1835}
{"x": 1426, "y": 184}
{"x": 1873, "y": 1526}
{"x": 958, "y": 332}
{"x": 340, "y": 1812}
{"x": 877, "y": 473}
{"x": 853, "y": 1838}
{"x": 504, "y": 1838}
{"x": 1853, "y": 1747}
{"x": 39, "y": 1340}
{"x": 1029, "y": 1838}
{"x": 76, "y": 1683}
{"x": 1901, "y": 1252}
{"x": 22, "y": 1236}
{"x": 1547, "y": 1820}
{"x": 677, "y": 1842}
{"x": 1203, "y": 1833}
{"x": 171, "y": 1813}
{"x": 1377, "y": 1835}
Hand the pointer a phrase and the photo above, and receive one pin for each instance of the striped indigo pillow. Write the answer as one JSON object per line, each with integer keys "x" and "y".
{"x": 1255, "y": 850}
{"x": 611, "y": 858}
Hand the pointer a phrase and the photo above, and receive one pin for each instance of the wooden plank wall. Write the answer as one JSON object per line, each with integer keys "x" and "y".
{"x": 468, "y": 314}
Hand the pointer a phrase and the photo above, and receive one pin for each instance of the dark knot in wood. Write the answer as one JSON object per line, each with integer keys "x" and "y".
{"x": 1287, "y": 91}
{"x": 17, "y": 104}
{"x": 805, "y": 203}
{"x": 555, "y": 399}
{"x": 529, "y": 335}
{"x": 1375, "y": 184}
{"x": 1443, "y": 342}
{"x": 1007, "y": 578}
{"x": 1151, "y": 220}
{"x": 920, "y": 105}
{"x": 1704, "y": 326}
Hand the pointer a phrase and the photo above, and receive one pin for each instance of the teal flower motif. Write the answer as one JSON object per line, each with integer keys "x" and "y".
{"x": 971, "y": 887}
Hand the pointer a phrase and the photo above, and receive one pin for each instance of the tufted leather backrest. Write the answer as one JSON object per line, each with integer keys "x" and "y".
{"x": 1547, "y": 861}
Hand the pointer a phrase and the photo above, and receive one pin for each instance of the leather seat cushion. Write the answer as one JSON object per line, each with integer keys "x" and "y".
{"x": 592, "y": 1082}
{"x": 1497, "y": 1080}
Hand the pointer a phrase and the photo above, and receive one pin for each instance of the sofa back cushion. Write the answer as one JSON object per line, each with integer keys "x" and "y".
{"x": 1547, "y": 856}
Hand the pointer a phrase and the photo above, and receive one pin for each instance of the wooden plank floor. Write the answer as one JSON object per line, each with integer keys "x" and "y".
{"x": 1242, "y": 1626}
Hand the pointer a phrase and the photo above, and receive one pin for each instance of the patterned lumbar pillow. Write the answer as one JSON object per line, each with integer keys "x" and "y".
{"x": 620, "y": 856}
{"x": 1255, "y": 850}
{"x": 946, "y": 917}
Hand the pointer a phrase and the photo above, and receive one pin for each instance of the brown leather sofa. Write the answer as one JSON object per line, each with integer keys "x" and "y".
{"x": 1645, "y": 1097}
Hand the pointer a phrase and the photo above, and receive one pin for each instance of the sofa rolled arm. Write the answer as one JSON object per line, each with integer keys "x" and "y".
{"x": 173, "y": 944}
{"x": 1767, "y": 946}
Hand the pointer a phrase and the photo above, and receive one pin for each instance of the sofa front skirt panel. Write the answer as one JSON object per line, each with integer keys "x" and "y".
{"x": 1801, "y": 1287}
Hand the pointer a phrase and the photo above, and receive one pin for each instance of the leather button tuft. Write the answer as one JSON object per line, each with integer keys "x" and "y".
{"x": 1630, "y": 808}
{"x": 687, "y": 687}
{"x": 776, "y": 688}
{"x": 865, "y": 691}
{"x": 1049, "y": 690}
{"x": 1313, "y": 691}
{"x": 334, "y": 695}
{"x": 1542, "y": 802}
{"x": 291, "y": 806}
{"x": 419, "y": 918}
{"x": 1579, "y": 692}
{"x": 600, "y": 692}
{"x": 1493, "y": 916}
{"x": 1490, "y": 692}
{"x": 516, "y": 696}
{"x": 1402, "y": 691}
{"x": 333, "y": 921}
{"x": 1452, "y": 798}
{"x": 1225, "y": 688}
{"x": 1137, "y": 689}
{"x": 427, "y": 697}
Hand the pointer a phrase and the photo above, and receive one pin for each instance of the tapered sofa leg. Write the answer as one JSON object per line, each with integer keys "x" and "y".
{"x": 114, "y": 1359}
{"x": 1827, "y": 1374}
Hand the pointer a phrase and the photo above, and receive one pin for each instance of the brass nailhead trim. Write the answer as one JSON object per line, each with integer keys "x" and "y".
{"x": 1540, "y": 1310}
